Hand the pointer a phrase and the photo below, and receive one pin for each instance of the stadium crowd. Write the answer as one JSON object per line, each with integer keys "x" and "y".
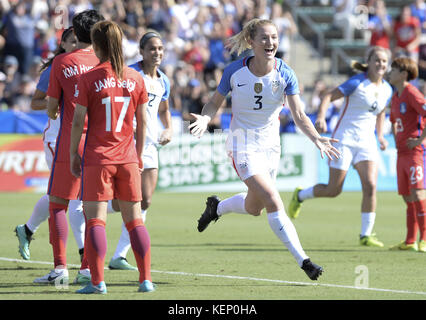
{"x": 194, "y": 34}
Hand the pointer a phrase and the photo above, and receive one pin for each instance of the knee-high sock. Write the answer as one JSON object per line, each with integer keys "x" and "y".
{"x": 40, "y": 213}
{"x": 85, "y": 261}
{"x": 412, "y": 226}
{"x": 367, "y": 223}
{"x": 123, "y": 244}
{"x": 58, "y": 233}
{"x": 77, "y": 221}
{"x": 141, "y": 246}
{"x": 96, "y": 246}
{"x": 286, "y": 232}
{"x": 233, "y": 204}
{"x": 421, "y": 217}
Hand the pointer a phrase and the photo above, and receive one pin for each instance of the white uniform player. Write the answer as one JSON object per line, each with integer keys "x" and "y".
{"x": 355, "y": 128}
{"x": 158, "y": 90}
{"x": 254, "y": 141}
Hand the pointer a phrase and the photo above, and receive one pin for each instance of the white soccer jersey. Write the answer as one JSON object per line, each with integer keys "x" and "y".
{"x": 256, "y": 103}
{"x": 51, "y": 128}
{"x": 158, "y": 90}
{"x": 363, "y": 102}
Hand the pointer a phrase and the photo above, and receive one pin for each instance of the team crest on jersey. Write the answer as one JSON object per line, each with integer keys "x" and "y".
{"x": 275, "y": 85}
{"x": 403, "y": 108}
{"x": 258, "y": 87}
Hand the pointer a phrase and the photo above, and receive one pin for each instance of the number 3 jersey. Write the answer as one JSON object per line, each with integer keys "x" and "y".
{"x": 408, "y": 112}
{"x": 256, "y": 103}
{"x": 364, "y": 100}
{"x": 111, "y": 105}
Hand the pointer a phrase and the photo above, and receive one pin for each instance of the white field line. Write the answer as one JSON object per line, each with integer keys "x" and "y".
{"x": 241, "y": 278}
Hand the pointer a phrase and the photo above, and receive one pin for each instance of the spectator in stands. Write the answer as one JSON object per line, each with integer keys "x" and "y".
{"x": 18, "y": 28}
{"x": 21, "y": 99}
{"x": 3, "y": 103}
{"x": 407, "y": 31}
{"x": 380, "y": 26}
{"x": 287, "y": 28}
{"x": 418, "y": 10}
{"x": 13, "y": 78}
{"x": 344, "y": 17}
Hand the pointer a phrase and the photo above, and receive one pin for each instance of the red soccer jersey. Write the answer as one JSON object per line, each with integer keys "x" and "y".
{"x": 409, "y": 113}
{"x": 111, "y": 105}
{"x": 406, "y": 32}
{"x": 66, "y": 70}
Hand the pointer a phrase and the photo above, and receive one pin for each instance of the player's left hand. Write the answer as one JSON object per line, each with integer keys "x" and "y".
{"x": 326, "y": 148}
{"x": 413, "y": 142}
{"x": 53, "y": 114}
{"x": 165, "y": 137}
{"x": 75, "y": 165}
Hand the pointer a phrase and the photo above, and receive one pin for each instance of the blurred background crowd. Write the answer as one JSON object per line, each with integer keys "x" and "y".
{"x": 194, "y": 35}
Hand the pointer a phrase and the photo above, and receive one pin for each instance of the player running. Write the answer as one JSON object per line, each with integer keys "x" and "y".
{"x": 366, "y": 97}
{"x": 408, "y": 112}
{"x": 111, "y": 95}
{"x": 259, "y": 85}
{"x": 158, "y": 87}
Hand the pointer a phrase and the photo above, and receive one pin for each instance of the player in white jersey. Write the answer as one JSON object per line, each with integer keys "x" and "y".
{"x": 40, "y": 212}
{"x": 158, "y": 87}
{"x": 366, "y": 97}
{"x": 258, "y": 86}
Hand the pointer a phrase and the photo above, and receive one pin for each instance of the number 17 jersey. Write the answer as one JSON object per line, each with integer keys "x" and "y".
{"x": 111, "y": 105}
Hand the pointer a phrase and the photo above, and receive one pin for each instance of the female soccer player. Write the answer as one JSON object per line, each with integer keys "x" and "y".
{"x": 40, "y": 213}
{"x": 408, "y": 112}
{"x": 158, "y": 87}
{"x": 366, "y": 97}
{"x": 111, "y": 95}
{"x": 259, "y": 85}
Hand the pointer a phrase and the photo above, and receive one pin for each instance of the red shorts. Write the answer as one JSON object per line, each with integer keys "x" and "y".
{"x": 114, "y": 181}
{"x": 410, "y": 172}
{"x": 62, "y": 183}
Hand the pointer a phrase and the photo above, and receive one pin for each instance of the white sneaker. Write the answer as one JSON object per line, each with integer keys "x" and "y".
{"x": 54, "y": 276}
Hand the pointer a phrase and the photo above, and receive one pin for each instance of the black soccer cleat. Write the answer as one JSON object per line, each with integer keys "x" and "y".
{"x": 311, "y": 269}
{"x": 209, "y": 214}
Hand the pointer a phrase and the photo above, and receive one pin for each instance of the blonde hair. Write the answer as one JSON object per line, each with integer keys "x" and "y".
{"x": 363, "y": 67}
{"x": 107, "y": 36}
{"x": 240, "y": 42}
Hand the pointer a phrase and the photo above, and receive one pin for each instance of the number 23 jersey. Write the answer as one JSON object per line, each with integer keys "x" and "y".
{"x": 256, "y": 103}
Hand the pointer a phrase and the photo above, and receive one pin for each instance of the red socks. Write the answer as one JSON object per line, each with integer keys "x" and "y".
{"x": 95, "y": 248}
{"x": 58, "y": 233}
{"x": 421, "y": 218}
{"x": 141, "y": 246}
{"x": 411, "y": 223}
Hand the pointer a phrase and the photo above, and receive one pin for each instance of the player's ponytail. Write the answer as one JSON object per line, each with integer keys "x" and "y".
{"x": 240, "y": 42}
{"x": 107, "y": 36}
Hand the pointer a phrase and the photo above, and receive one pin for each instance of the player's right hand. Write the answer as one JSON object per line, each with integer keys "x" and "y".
{"x": 321, "y": 125}
{"x": 53, "y": 114}
{"x": 199, "y": 126}
{"x": 75, "y": 165}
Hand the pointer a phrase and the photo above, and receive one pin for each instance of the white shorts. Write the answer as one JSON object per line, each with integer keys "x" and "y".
{"x": 150, "y": 156}
{"x": 49, "y": 153}
{"x": 250, "y": 163}
{"x": 352, "y": 155}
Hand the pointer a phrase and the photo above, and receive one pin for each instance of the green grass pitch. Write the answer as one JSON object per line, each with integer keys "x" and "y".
{"x": 236, "y": 258}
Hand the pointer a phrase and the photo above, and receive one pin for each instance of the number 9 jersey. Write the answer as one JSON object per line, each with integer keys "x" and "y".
{"x": 111, "y": 105}
{"x": 256, "y": 103}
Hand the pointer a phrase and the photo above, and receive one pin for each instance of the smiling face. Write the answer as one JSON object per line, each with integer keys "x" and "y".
{"x": 378, "y": 63}
{"x": 153, "y": 52}
{"x": 265, "y": 41}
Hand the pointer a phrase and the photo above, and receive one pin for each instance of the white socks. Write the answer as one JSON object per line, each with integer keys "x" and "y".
{"x": 307, "y": 193}
{"x": 367, "y": 223}
{"x": 40, "y": 213}
{"x": 233, "y": 204}
{"x": 123, "y": 245}
{"x": 285, "y": 231}
{"x": 77, "y": 221}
